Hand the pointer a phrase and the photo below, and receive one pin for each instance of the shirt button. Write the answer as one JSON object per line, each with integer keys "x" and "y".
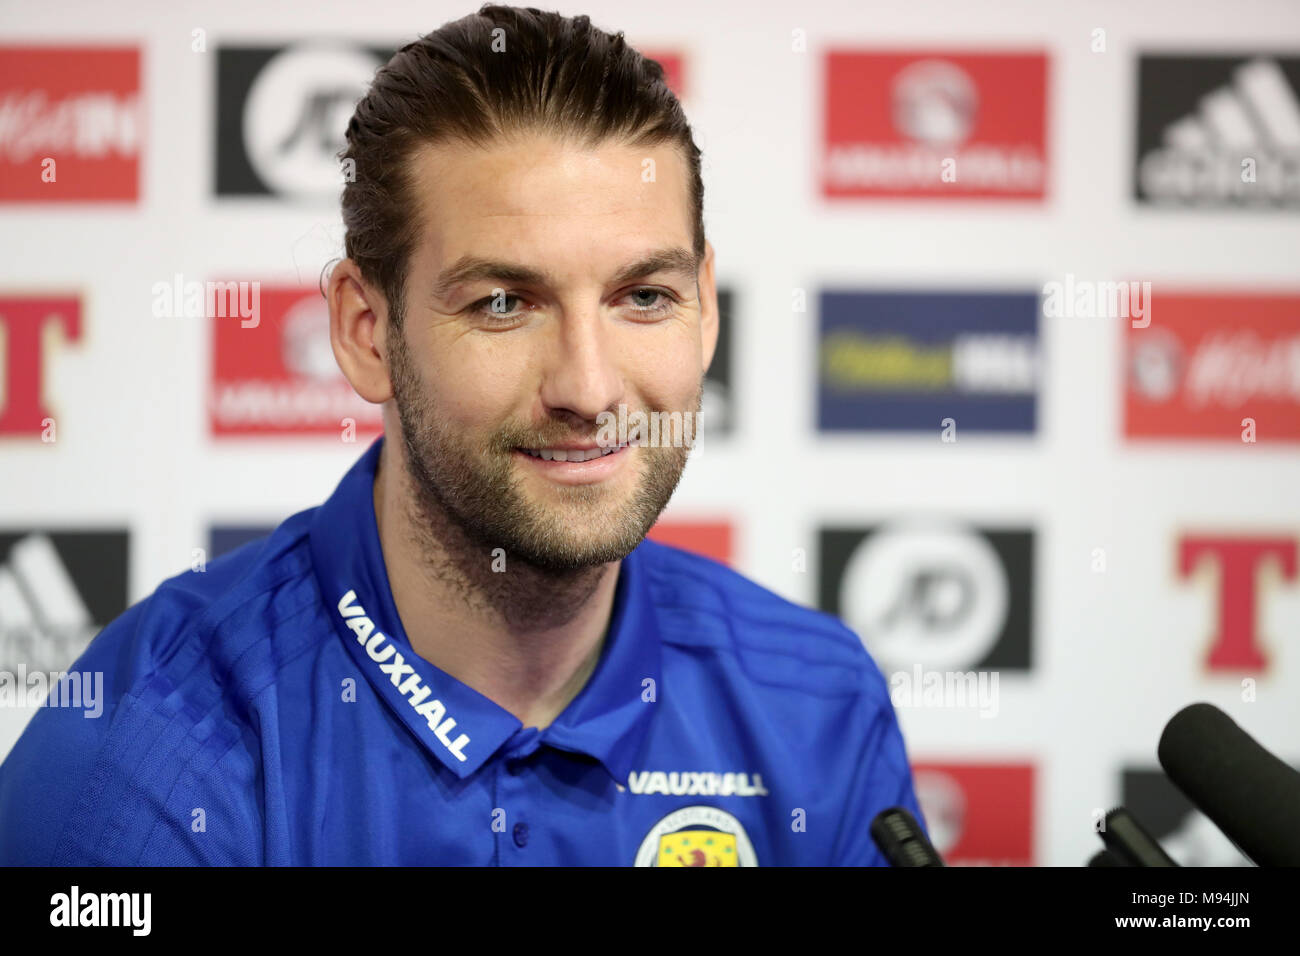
{"x": 521, "y": 835}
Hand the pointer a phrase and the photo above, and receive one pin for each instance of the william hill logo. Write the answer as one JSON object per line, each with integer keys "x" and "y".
{"x": 908, "y": 361}
{"x": 969, "y": 363}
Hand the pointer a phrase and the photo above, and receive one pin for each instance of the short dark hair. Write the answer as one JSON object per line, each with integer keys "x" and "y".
{"x": 557, "y": 74}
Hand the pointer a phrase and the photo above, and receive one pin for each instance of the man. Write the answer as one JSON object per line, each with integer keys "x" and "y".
{"x": 469, "y": 654}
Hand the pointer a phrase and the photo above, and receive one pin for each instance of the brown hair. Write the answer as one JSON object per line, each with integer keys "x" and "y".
{"x": 556, "y": 74}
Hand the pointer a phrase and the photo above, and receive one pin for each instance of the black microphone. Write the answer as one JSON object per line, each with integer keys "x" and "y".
{"x": 901, "y": 839}
{"x": 1251, "y": 795}
{"x": 1126, "y": 839}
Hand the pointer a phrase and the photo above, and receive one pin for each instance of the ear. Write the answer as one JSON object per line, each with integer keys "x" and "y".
{"x": 708, "y": 308}
{"x": 358, "y": 332}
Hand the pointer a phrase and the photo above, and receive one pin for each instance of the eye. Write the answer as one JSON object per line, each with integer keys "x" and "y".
{"x": 660, "y": 305}
{"x": 495, "y": 309}
{"x": 648, "y": 302}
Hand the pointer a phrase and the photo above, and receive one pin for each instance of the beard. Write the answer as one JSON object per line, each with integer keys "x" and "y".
{"x": 475, "y": 485}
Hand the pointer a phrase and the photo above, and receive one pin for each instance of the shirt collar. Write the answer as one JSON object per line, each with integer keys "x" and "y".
{"x": 462, "y": 728}
{"x": 610, "y": 716}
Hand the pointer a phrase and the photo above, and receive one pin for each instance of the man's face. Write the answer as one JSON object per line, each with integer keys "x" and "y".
{"x": 497, "y": 367}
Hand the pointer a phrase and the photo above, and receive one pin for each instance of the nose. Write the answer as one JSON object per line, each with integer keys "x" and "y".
{"x": 582, "y": 376}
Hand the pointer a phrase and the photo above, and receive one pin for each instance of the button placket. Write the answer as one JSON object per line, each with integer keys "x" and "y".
{"x": 513, "y": 793}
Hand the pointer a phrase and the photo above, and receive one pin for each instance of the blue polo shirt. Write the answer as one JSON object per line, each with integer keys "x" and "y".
{"x": 270, "y": 710}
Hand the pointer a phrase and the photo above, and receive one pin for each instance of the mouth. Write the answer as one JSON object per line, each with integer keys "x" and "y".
{"x": 571, "y": 454}
{"x": 575, "y": 466}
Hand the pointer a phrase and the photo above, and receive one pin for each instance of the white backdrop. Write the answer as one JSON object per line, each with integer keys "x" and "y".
{"x": 1114, "y": 653}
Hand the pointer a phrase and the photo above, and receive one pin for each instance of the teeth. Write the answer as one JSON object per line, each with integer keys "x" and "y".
{"x": 572, "y": 454}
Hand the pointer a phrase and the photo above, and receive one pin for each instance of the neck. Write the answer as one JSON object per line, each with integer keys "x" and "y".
{"x": 526, "y": 638}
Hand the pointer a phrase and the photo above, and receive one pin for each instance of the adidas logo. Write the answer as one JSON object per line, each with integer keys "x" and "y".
{"x": 1240, "y": 146}
{"x": 44, "y": 623}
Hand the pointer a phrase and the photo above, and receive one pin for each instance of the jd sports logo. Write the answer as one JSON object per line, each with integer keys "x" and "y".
{"x": 281, "y": 116}
{"x": 933, "y": 593}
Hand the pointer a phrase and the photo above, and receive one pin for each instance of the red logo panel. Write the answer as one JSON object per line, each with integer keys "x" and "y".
{"x": 1206, "y": 362}
{"x": 935, "y": 125}
{"x": 278, "y": 375}
{"x": 70, "y": 124}
{"x": 713, "y": 539}
{"x": 978, "y": 814}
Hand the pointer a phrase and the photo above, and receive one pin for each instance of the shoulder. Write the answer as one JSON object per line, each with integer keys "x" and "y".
{"x": 223, "y": 623}
{"x": 168, "y": 715}
{"x": 800, "y": 680}
{"x": 704, "y": 605}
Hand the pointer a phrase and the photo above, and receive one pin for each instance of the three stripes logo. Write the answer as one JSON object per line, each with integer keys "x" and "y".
{"x": 1218, "y": 131}
{"x": 56, "y": 590}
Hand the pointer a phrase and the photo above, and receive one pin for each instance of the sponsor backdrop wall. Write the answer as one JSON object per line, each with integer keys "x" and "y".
{"x": 1010, "y": 373}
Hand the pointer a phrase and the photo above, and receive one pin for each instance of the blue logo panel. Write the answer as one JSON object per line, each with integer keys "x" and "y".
{"x": 905, "y": 361}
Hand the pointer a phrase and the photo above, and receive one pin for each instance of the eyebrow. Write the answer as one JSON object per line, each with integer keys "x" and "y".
{"x": 470, "y": 268}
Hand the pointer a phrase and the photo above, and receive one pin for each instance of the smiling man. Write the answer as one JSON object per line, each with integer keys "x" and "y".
{"x": 470, "y": 654}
